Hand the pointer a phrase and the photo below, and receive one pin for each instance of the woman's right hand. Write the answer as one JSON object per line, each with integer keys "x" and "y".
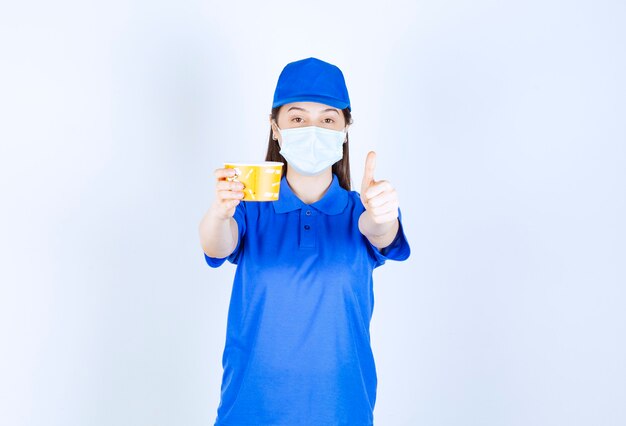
{"x": 228, "y": 193}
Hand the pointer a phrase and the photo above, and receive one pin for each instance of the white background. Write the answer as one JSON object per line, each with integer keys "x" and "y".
{"x": 501, "y": 124}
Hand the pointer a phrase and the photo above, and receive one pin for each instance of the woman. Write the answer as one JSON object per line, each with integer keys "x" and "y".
{"x": 297, "y": 344}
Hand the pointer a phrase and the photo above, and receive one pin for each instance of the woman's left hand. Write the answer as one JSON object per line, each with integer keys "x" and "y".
{"x": 379, "y": 198}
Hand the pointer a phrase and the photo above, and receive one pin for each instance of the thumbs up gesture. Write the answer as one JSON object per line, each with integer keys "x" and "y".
{"x": 379, "y": 198}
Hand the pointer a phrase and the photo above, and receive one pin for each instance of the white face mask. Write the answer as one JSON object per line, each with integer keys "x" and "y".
{"x": 310, "y": 150}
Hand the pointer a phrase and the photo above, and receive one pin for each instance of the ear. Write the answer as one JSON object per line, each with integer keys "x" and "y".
{"x": 274, "y": 128}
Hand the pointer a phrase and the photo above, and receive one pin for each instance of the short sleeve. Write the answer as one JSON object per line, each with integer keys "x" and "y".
{"x": 398, "y": 250}
{"x": 240, "y": 218}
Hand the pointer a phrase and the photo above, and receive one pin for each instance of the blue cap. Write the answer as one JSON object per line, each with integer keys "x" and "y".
{"x": 311, "y": 80}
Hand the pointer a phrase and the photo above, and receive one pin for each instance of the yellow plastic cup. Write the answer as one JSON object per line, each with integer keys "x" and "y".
{"x": 261, "y": 180}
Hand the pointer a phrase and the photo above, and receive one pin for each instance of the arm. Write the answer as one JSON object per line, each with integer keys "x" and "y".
{"x": 218, "y": 230}
{"x": 218, "y": 236}
{"x": 379, "y": 234}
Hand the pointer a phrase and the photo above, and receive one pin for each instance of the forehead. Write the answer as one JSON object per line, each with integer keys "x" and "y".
{"x": 308, "y": 107}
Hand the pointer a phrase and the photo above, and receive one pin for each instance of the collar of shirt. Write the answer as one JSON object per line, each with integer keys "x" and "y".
{"x": 333, "y": 202}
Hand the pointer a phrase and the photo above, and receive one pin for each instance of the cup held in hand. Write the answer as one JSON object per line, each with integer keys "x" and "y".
{"x": 261, "y": 180}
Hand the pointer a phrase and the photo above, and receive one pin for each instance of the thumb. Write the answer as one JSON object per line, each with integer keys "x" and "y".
{"x": 368, "y": 176}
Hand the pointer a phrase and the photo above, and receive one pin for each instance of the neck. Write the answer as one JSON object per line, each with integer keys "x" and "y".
{"x": 309, "y": 189}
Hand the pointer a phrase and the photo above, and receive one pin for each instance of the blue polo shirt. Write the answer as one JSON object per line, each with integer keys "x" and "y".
{"x": 297, "y": 341}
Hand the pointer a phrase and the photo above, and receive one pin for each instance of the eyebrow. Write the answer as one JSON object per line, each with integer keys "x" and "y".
{"x": 302, "y": 109}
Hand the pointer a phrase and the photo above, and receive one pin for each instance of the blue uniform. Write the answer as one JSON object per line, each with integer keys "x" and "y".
{"x": 297, "y": 341}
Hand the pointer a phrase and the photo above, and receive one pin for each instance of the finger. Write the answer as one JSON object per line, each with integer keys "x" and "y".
{"x": 224, "y": 173}
{"x": 370, "y": 166}
{"x": 389, "y": 217}
{"x": 384, "y": 209}
{"x": 378, "y": 188}
{"x": 224, "y": 185}
{"x": 382, "y": 198}
{"x": 229, "y": 195}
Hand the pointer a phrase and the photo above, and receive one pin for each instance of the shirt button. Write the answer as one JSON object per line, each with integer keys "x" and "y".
{"x": 308, "y": 212}
{"x": 307, "y": 227}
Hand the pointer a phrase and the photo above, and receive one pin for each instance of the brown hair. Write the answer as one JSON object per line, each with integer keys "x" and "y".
{"x": 341, "y": 168}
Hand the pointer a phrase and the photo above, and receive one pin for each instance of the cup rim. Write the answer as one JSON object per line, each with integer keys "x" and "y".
{"x": 256, "y": 163}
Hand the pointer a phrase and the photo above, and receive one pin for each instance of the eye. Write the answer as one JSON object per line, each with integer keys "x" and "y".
{"x": 328, "y": 120}
{"x": 296, "y": 119}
